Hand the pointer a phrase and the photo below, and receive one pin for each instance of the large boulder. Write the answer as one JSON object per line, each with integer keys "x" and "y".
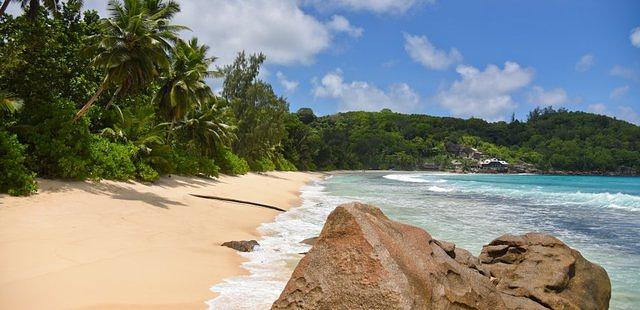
{"x": 541, "y": 268}
{"x": 363, "y": 260}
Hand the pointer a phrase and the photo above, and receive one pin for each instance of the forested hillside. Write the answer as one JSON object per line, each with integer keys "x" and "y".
{"x": 550, "y": 139}
{"x": 126, "y": 97}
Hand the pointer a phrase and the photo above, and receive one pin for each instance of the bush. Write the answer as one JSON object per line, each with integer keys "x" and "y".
{"x": 262, "y": 165}
{"x": 111, "y": 161}
{"x": 15, "y": 178}
{"x": 192, "y": 163}
{"x": 284, "y": 165}
{"x": 146, "y": 173}
{"x": 231, "y": 163}
{"x": 57, "y": 147}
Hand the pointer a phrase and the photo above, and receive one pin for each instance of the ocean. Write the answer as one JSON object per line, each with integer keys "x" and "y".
{"x": 599, "y": 216}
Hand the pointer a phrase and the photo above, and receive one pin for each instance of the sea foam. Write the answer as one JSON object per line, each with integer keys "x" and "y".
{"x": 272, "y": 263}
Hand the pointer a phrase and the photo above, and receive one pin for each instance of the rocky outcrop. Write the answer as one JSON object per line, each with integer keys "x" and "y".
{"x": 364, "y": 260}
{"x": 541, "y": 268}
{"x": 242, "y": 246}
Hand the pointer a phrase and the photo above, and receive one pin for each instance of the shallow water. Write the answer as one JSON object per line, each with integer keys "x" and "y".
{"x": 599, "y": 216}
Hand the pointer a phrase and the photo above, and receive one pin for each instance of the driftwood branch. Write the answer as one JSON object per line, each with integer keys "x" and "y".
{"x": 239, "y": 201}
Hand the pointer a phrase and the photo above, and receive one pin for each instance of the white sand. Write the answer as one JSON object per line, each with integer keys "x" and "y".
{"x": 114, "y": 245}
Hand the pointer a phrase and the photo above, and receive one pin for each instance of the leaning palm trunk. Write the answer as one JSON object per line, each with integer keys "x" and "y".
{"x": 4, "y": 6}
{"x": 89, "y": 103}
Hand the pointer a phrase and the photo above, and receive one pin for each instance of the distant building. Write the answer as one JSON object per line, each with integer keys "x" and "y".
{"x": 494, "y": 164}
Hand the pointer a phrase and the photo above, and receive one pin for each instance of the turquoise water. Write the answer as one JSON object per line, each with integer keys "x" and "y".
{"x": 599, "y": 216}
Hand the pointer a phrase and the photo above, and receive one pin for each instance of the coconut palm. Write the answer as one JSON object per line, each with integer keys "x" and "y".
{"x": 8, "y": 102}
{"x": 184, "y": 88}
{"x": 206, "y": 126}
{"x": 32, "y": 6}
{"x": 134, "y": 45}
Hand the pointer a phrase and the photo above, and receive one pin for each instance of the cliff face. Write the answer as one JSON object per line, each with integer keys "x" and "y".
{"x": 364, "y": 260}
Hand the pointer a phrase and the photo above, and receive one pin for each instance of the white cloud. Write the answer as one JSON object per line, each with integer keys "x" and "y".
{"x": 289, "y": 85}
{"x": 619, "y": 92}
{"x": 278, "y": 28}
{"x": 376, "y": 6}
{"x": 421, "y": 50}
{"x": 339, "y": 23}
{"x": 597, "y": 108}
{"x": 628, "y": 114}
{"x": 621, "y": 112}
{"x": 635, "y": 37}
{"x": 553, "y": 97}
{"x": 585, "y": 63}
{"x": 626, "y": 73}
{"x": 485, "y": 93}
{"x": 363, "y": 96}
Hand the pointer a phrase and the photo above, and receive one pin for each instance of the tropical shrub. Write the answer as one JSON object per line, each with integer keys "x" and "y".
{"x": 57, "y": 147}
{"x": 112, "y": 161}
{"x": 192, "y": 163}
{"x": 262, "y": 164}
{"x": 231, "y": 163}
{"x": 282, "y": 164}
{"x": 15, "y": 178}
{"x": 146, "y": 173}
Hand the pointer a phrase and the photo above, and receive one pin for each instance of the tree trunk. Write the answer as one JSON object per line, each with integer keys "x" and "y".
{"x": 114, "y": 97}
{"x": 89, "y": 103}
{"x": 4, "y": 6}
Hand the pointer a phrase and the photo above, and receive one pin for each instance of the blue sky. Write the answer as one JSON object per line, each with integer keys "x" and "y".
{"x": 486, "y": 59}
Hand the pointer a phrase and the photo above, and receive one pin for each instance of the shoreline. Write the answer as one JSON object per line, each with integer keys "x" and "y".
{"x": 84, "y": 245}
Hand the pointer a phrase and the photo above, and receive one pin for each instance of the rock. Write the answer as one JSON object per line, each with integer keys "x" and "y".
{"x": 310, "y": 241}
{"x": 242, "y": 246}
{"x": 363, "y": 260}
{"x": 544, "y": 270}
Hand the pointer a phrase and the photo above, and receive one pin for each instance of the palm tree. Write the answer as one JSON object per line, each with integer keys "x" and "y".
{"x": 134, "y": 45}
{"x": 206, "y": 126}
{"x": 8, "y": 102}
{"x": 32, "y": 6}
{"x": 184, "y": 88}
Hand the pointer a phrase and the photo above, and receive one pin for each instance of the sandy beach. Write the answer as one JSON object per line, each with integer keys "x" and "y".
{"x": 115, "y": 245}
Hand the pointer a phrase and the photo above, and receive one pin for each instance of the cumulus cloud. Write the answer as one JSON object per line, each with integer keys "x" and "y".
{"x": 597, "y": 108}
{"x": 363, "y": 96}
{"x": 339, "y": 24}
{"x": 421, "y": 50}
{"x": 375, "y": 6}
{"x": 289, "y": 85}
{"x": 553, "y": 97}
{"x": 619, "y": 92}
{"x": 585, "y": 63}
{"x": 487, "y": 93}
{"x": 624, "y": 72}
{"x": 635, "y": 37}
{"x": 278, "y": 28}
{"x": 621, "y": 112}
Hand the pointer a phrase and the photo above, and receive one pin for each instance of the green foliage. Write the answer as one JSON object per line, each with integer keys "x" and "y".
{"x": 146, "y": 173}
{"x": 57, "y": 148}
{"x": 111, "y": 160}
{"x": 281, "y": 164}
{"x": 15, "y": 178}
{"x": 258, "y": 111}
{"x": 188, "y": 162}
{"x": 550, "y": 139}
{"x": 262, "y": 164}
{"x": 231, "y": 163}
{"x": 184, "y": 88}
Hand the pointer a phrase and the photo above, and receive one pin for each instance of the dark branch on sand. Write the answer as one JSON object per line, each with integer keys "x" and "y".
{"x": 239, "y": 201}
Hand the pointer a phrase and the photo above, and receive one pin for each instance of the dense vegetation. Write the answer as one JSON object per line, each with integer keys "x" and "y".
{"x": 125, "y": 97}
{"x": 550, "y": 140}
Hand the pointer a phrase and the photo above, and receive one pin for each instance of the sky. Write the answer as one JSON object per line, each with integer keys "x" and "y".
{"x": 474, "y": 58}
